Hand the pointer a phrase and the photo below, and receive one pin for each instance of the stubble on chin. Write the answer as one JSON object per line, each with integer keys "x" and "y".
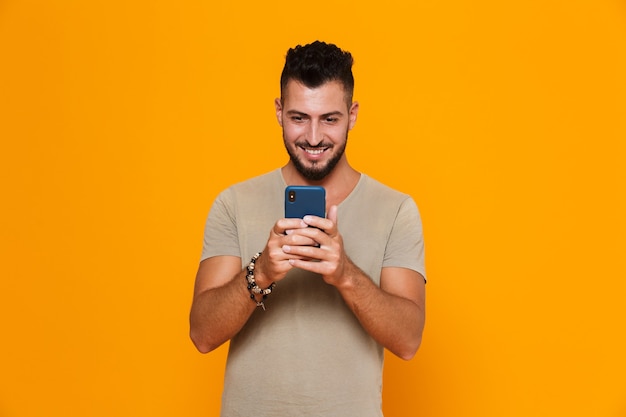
{"x": 316, "y": 171}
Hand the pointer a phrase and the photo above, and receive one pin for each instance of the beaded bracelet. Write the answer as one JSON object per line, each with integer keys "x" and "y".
{"x": 253, "y": 287}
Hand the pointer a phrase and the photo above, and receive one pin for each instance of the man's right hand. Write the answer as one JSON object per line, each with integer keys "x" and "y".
{"x": 273, "y": 264}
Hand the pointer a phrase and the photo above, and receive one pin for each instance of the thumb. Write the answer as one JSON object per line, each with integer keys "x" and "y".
{"x": 332, "y": 214}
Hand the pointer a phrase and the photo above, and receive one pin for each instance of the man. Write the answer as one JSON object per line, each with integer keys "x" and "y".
{"x": 308, "y": 318}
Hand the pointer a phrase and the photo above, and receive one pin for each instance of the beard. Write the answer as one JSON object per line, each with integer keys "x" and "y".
{"x": 316, "y": 171}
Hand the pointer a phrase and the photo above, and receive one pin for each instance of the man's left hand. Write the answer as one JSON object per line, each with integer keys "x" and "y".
{"x": 329, "y": 258}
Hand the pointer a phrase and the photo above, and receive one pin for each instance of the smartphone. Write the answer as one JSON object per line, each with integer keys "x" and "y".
{"x": 301, "y": 200}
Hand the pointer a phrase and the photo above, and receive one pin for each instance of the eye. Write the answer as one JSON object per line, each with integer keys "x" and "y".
{"x": 332, "y": 119}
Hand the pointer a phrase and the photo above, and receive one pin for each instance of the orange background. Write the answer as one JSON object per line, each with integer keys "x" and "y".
{"x": 121, "y": 121}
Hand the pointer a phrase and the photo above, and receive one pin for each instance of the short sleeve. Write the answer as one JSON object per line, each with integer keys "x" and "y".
{"x": 405, "y": 248}
{"x": 220, "y": 231}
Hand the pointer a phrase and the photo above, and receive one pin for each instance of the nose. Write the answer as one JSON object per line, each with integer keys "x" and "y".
{"x": 315, "y": 136}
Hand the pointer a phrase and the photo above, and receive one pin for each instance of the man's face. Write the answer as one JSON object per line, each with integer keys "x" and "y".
{"x": 315, "y": 124}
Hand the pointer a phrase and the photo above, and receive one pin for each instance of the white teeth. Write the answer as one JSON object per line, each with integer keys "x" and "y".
{"x": 314, "y": 151}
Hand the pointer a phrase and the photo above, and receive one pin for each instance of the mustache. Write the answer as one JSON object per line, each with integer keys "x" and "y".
{"x": 307, "y": 145}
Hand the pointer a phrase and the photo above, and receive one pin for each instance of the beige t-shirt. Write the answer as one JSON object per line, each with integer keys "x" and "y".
{"x": 307, "y": 355}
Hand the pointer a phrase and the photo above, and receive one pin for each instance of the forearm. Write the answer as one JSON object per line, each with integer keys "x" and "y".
{"x": 222, "y": 303}
{"x": 217, "y": 314}
{"x": 392, "y": 320}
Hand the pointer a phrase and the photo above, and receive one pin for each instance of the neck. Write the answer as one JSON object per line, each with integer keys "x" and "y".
{"x": 338, "y": 184}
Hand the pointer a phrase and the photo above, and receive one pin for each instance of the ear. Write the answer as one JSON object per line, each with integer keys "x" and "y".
{"x": 354, "y": 111}
{"x": 279, "y": 111}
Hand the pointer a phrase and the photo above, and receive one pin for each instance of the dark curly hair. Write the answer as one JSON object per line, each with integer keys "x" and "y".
{"x": 317, "y": 63}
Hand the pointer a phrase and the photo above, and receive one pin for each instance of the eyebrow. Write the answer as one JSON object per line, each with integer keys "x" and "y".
{"x": 323, "y": 116}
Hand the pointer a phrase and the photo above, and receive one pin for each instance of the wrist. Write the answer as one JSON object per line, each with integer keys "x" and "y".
{"x": 257, "y": 293}
{"x": 349, "y": 278}
{"x": 261, "y": 278}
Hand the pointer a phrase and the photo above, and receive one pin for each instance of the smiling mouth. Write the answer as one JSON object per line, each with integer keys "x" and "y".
{"x": 315, "y": 151}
